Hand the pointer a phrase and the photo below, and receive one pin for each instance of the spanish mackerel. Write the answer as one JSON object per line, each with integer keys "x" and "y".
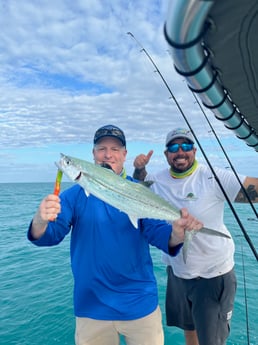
{"x": 135, "y": 199}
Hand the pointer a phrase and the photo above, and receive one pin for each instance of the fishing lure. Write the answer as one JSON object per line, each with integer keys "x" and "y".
{"x": 57, "y": 187}
{"x": 59, "y": 176}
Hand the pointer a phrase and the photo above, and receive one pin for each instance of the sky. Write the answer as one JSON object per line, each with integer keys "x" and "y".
{"x": 70, "y": 67}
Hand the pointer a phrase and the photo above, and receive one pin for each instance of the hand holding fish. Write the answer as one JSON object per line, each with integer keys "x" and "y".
{"x": 47, "y": 211}
{"x": 186, "y": 223}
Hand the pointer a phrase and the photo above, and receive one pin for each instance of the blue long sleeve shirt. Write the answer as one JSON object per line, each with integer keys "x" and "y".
{"x": 110, "y": 258}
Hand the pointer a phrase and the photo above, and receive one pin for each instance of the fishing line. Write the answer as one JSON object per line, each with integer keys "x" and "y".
{"x": 245, "y": 296}
{"x": 225, "y": 154}
{"x": 197, "y": 141}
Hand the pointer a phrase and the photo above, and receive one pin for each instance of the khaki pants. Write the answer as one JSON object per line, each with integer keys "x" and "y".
{"x": 144, "y": 331}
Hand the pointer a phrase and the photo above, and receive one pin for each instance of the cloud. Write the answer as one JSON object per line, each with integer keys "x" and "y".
{"x": 67, "y": 68}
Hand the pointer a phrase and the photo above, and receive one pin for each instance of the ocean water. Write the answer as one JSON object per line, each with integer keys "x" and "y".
{"x": 36, "y": 284}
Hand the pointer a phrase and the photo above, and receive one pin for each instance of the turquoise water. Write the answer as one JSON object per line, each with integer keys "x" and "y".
{"x": 36, "y": 283}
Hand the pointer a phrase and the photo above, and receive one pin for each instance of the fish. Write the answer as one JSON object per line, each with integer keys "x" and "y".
{"x": 135, "y": 199}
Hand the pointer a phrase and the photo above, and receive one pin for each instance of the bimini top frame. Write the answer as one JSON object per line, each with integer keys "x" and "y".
{"x": 185, "y": 30}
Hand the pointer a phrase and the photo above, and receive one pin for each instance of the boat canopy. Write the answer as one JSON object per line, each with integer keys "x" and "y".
{"x": 214, "y": 46}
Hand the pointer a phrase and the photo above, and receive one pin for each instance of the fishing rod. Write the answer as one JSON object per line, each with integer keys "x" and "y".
{"x": 225, "y": 154}
{"x": 197, "y": 141}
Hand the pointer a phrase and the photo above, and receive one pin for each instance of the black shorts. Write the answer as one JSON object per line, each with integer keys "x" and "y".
{"x": 201, "y": 304}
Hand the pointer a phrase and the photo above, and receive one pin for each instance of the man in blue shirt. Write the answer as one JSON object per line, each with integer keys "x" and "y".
{"x": 115, "y": 291}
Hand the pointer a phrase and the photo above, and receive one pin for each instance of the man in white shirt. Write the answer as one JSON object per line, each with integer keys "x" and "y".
{"x": 200, "y": 293}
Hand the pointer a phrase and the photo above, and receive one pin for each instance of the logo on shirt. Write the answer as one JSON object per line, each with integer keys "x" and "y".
{"x": 190, "y": 197}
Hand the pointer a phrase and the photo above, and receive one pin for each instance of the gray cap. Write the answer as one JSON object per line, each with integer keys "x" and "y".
{"x": 179, "y": 133}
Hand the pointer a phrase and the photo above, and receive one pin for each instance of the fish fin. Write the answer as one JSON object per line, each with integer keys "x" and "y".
{"x": 134, "y": 221}
{"x": 214, "y": 232}
{"x": 187, "y": 241}
{"x": 86, "y": 192}
{"x": 146, "y": 183}
{"x": 189, "y": 236}
{"x": 184, "y": 250}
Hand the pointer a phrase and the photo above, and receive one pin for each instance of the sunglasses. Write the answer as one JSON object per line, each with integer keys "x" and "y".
{"x": 173, "y": 148}
{"x": 109, "y": 131}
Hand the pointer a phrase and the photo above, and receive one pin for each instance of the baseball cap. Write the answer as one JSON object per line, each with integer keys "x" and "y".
{"x": 109, "y": 131}
{"x": 179, "y": 133}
